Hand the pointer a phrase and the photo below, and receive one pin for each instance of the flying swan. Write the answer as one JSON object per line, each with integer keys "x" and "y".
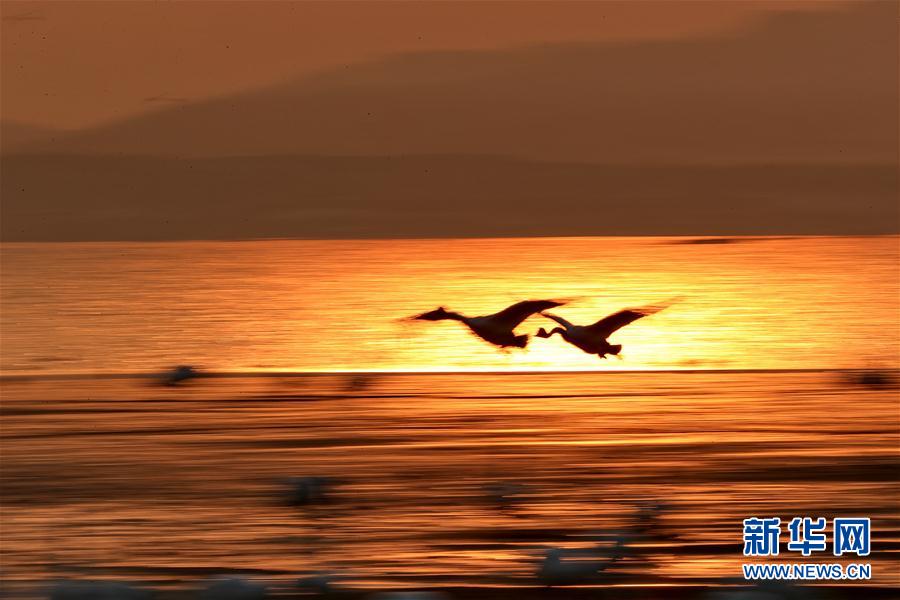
{"x": 592, "y": 338}
{"x": 497, "y": 328}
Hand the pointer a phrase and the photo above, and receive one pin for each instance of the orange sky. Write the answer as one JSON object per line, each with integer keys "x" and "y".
{"x": 75, "y": 64}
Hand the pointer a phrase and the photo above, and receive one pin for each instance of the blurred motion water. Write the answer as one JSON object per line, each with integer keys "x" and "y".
{"x": 749, "y": 303}
{"x": 734, "y": 402}
{"x": 113, "y": 477}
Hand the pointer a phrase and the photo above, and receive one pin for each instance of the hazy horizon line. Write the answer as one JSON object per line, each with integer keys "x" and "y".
{"x": 427, "y": 371}
{"x": 500, "y": 157}
{"x": 700, "y": 237}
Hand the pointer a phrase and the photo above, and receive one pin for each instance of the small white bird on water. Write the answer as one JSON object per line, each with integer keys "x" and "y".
{"x": 409, "y": 596}
{"x": 741, "y": 589}
{"x": 321, "y": 584}
{"x": 562, "y": 566}
{"x": 497, "y": 328}
{"x": 233, "y": 588}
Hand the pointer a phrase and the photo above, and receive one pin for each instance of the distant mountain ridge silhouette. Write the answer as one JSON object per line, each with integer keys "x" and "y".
{"x": 14, "y": 134}
{"x": 793, "y": 87}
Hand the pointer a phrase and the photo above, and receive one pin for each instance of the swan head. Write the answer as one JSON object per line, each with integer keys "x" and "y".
{"x": 614, "y": 348}
{"x": 543, "y": 333}
{"x": 438, "y": 314}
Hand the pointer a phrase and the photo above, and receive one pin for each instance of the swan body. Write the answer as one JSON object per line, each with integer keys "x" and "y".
{"x": 558, "y": 570}
{"x": 592, "y": 339}
{"x": 582, "y": 566}
{"x": 498, "y": 328}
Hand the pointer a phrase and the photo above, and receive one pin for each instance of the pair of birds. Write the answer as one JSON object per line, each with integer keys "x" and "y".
{"x": 499, "y": 328}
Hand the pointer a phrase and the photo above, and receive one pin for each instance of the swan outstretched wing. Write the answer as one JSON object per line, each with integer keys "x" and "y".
{"x": 559, "y": 320}
{"x": 513, "y": 316}
{"x": 607, "y": 325}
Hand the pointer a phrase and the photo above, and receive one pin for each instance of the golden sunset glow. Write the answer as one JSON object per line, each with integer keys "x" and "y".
{"x": 484, "y": 300}
{"x": 300, "y": 306}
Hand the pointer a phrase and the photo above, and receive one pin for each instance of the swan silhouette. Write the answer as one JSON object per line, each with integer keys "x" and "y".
{"x": 570, "y": 566}
{"x": 496, "y": 329}
{"x": 592, "y": 338}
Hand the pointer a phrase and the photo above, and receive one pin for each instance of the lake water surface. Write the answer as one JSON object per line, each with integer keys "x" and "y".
{"x": 734, "y": 402}
{"x": 761, "y": 303}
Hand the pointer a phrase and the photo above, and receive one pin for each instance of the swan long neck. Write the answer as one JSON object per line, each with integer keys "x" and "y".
{"x": 543, "y": 333}
{"x": 455, "y": 316}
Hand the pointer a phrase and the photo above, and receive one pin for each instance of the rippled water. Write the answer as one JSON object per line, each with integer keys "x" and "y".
{"x": 733, "y": 402}
{"x": 761, "y": 303}
{"x": 118, "y": 478}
